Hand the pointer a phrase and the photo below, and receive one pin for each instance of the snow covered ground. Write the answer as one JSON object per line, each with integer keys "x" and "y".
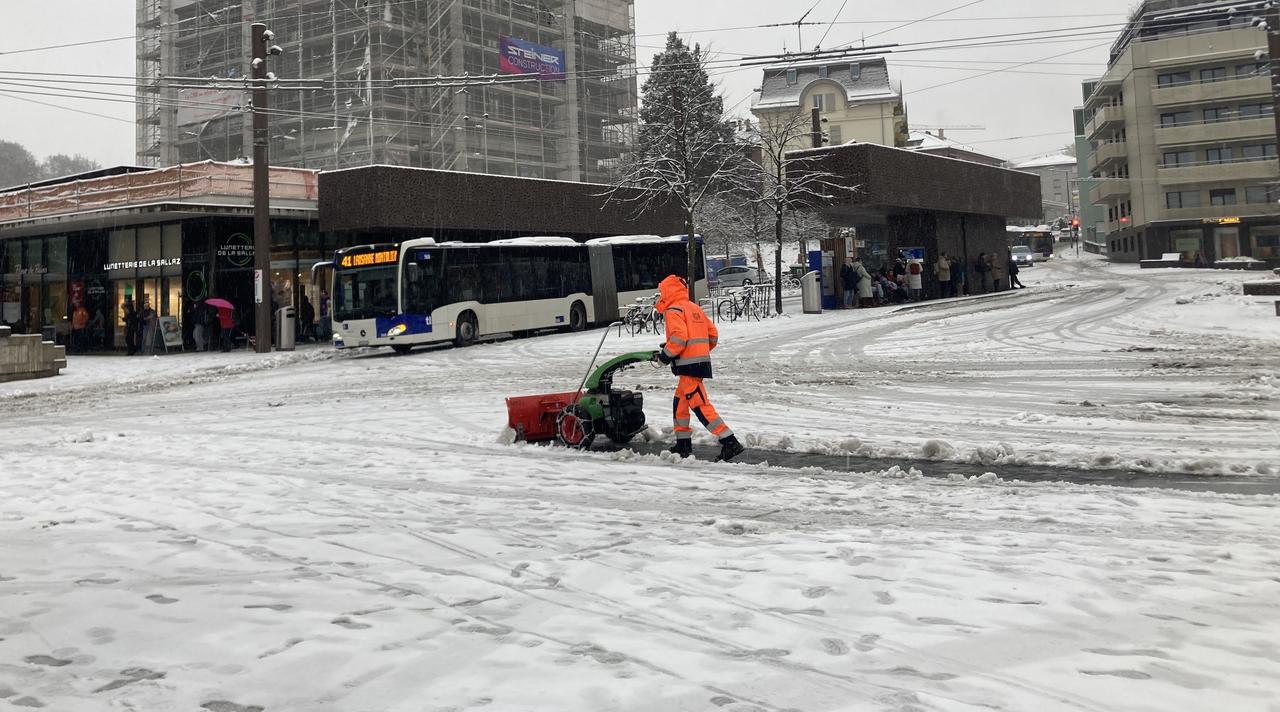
{"x": 321, "y": 531}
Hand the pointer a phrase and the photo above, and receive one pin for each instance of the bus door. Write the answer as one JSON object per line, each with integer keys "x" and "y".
{"x": 604, "y": 288}
{"x": 318, "y": 292}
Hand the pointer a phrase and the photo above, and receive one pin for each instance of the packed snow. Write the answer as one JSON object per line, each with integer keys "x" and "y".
{"x": 328, "y": 531}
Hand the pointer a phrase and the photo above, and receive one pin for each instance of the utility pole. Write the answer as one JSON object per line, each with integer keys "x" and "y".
{"x": 816, "y": 128}
{"x": 259, "y": 37}
{"x": 1272, "y": 26}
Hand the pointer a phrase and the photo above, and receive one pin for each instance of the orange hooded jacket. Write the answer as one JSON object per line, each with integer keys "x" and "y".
{"x": 690, "y": 334}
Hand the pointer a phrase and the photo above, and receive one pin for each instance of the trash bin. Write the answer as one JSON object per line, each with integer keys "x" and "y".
{"x": 811, "y": 293}
{"x": 285, "y": 328}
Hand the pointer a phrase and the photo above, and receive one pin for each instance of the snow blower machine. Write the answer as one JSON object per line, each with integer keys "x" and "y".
{"x": 575, "y": 418}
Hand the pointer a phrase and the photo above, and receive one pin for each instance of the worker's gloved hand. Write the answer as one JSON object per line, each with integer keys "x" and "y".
{"x": 661, "y": 356}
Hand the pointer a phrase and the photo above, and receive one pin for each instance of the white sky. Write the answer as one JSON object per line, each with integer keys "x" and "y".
{"x": 1023, "y": 101}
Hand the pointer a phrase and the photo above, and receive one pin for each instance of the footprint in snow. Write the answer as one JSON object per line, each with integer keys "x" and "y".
{"x": 98, "y": 581}
{"x": 270, "y": 606}
{"x": 128, "y": 676}
{"x": 225, "y": 706}
{"x": 27, "y": 701}
{"x": 518, "y": 571}
{"x": 816, "y": 591}
{"x": 161, "y": 599}
{"x": 834, "y": 646}
{"x": 346, "y": 622}
{"x": 853, "y": 558}
{"x": 866, "y": 643}
{"x": 48, "y": 660}
{"x": 884, "y": 598}
{"x": 1129, "y": 674}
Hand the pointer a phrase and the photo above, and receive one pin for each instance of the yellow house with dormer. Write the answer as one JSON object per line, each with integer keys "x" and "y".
{"x": 854, "y": 96}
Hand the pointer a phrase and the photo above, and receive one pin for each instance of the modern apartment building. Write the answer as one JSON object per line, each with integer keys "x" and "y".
{"x": 371, "y": 96}
{"x": 855, "y": 96}
{"x": 1092, "y": 229}
{"x": 1183, "y": 135}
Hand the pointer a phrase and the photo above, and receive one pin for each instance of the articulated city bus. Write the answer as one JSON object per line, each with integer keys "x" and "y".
{"x": 422, "y": 291}
{"x": 1039, "y": 239}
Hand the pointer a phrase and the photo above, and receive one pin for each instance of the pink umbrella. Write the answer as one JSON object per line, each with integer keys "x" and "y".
{"x": 219, "y": 303}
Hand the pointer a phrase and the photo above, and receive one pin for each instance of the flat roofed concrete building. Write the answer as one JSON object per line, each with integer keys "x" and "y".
{"x": 1183, "y": 136}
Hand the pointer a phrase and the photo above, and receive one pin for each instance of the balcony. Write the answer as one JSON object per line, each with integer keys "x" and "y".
{"x": 1109, "y": 189}
{"x": 1238, "y": 130}
{"x": 1219, "y": 211}
{"x": 1103, "y": 118}
{"x": 1251, "y": 170}
{"x": 1196, "y": 92}
{"x": 1108, "y": 152}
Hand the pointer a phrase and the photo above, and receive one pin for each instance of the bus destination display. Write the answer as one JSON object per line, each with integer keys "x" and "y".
{"x": 369, "y": 259}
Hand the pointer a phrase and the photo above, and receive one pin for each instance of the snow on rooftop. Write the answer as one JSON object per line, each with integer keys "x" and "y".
{"x": 1060, "y": 159}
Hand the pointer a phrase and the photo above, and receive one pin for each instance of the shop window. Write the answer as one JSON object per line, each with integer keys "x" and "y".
{"x": 1266, "y": 241}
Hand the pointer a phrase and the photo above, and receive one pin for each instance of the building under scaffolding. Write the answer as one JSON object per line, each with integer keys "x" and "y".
{"x": 355, "y": 84}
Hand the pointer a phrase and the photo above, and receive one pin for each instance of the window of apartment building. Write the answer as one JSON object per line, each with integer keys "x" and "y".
{"x": 1178, "y": 158}
{"x": 834, "y": 134}
{"x": 791, "y": 76}
{"x": 1173, "y": 79}
{"x": 1222, "y": 196}
{"x": 855, "y": 71}
{"x": 1252, "y": 69}
{"x": 1259, "y": 194}
{"x": 1217, "y": 114}
{"x": 1218, "y": 155}
{"x": 1215, "y": 74}
{"x": 1258, "y": 152}
{"x": 1253, "y": 111}
{"x": 1175, "y": 118}
{"x": 1182, "y": 199}
{"x": 822, "y": 72}
{"x": 1124, "y": 209}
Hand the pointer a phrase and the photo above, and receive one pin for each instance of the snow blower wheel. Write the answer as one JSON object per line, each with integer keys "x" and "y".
{"x": 575, "y": 428}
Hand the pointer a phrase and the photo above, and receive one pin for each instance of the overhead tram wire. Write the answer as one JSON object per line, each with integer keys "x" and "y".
{"x": 962, "y": 6}
{"x": 831, "y": 24}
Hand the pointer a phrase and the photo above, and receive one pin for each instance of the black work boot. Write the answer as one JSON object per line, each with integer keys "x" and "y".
{"x": 729, "y": 449}
{"x": 683, "y": 448}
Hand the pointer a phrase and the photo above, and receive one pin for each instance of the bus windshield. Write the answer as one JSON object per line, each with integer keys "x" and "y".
{"x": 365, "y": 293}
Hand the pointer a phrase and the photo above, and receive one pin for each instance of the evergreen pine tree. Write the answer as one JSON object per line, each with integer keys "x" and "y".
{"x": 680, "y": 66}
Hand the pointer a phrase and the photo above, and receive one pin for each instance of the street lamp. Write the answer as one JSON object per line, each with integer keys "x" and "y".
{"x": 260, "y": 41}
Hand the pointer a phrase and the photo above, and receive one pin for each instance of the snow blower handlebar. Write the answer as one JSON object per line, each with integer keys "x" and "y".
{"x": 594, "y": 356}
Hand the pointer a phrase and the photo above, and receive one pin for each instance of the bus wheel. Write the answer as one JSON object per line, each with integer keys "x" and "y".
{"x": 467, "y": 329}
{"x": 577, "y": 317}
{"x": 401, "y": 348}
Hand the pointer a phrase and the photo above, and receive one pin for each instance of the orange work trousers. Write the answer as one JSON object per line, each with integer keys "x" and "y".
{"x": 691, "y": 395}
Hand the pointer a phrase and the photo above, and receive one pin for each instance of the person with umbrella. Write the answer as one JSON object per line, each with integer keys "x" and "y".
{"x": 226, "y": 320}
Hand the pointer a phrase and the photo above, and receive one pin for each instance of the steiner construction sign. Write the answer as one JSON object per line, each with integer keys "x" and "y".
{"x": 522, "y": 57}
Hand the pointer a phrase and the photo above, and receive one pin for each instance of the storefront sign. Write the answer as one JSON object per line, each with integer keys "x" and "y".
{"x": 140, "y": 264}
{"x": 34, "y": 269}
{"x": 237, "y": 250}
{"x": 1222, "y": 221}
{"x": 75, "y": 293}
{"x": 96, "y": 289}
{"x": 523, "y": 57}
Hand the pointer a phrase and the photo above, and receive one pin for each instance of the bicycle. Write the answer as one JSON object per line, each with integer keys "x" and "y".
{"x": 642, "y": 316}
{"x": 738, "y": 304}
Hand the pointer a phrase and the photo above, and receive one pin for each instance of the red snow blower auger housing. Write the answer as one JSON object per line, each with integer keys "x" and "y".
{"x": 575, "y": 418}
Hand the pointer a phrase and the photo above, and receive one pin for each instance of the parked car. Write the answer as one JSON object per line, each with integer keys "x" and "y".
{"x": 1022, "y": 256}
{"x": 740, "y": 276}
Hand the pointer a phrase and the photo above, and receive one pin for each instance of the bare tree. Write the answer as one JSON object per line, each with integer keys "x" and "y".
{"x": 696, "y": 164}
{"x": 786, "y": 182}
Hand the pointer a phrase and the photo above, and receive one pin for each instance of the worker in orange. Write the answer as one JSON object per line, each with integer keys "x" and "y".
{"x": 690, "y": 338}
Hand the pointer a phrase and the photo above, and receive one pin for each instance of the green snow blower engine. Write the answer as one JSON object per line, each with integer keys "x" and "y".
{"x": 574, "y": 419}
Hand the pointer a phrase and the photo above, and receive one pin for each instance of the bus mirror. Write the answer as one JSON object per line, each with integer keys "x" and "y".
{"x": 412, "y": 272}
